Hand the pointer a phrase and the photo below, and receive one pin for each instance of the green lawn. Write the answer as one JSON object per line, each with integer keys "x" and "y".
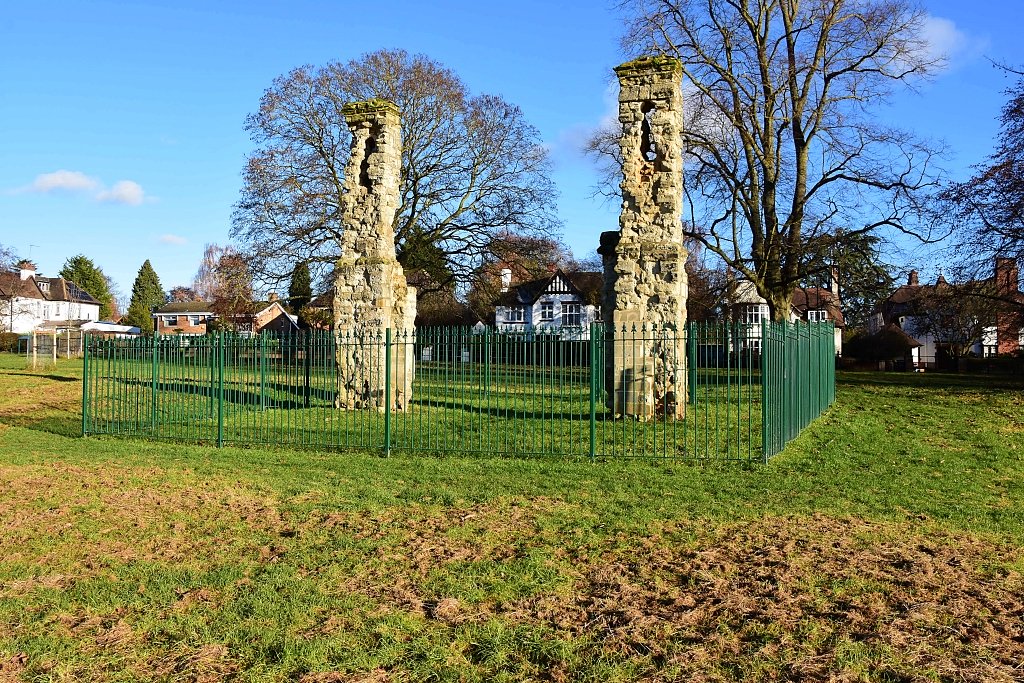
{"x": 884, "y": 544}
{"x": 455, "y": 408}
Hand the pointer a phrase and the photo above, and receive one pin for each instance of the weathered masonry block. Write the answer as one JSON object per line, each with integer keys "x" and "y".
{"x": 371, "y": 293}
{"x": 644, "y": 296}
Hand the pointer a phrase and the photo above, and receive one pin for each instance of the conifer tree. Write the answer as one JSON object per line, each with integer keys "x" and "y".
{"x": 90, "y": 278}
{"x": 300, "y": 290}
{"x": 147, "y": 294}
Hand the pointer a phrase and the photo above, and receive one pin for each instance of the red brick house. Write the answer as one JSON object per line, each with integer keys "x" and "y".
{"x": 193, "y": 317}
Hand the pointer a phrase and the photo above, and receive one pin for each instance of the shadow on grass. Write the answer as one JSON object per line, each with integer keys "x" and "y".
{"x": 931, "y": 381}
{"x": 67, "y": 425}
{"x": 55, "y": 378}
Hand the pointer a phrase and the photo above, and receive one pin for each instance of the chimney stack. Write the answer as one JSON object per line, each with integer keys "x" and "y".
{"x": 912, "y": 280}
{"x": 833, "y": 283}
{"x": 27, "y": 269}
{"x": 1007, "y": 282}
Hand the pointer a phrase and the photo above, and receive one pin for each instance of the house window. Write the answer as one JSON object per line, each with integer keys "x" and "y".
{"x": 547, "y": 311}
{"x": 170, "y": 320}
{"x": 817, "y": 316}
{"x": 195, "y": 320}
{"x": 754, "y": 314}
{"x": 44, "y": 287}
{"x": 571, "y": 315}
{"x": 56, "y": 312}
{"x": 46, "y": 311}
{"x": 515, "y": 314}
{"x": 988, "y": 351}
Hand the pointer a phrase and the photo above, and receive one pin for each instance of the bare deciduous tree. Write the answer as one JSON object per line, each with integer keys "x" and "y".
{"x": 471, "y": 167}
{"x": 206, "y": 283}
{"x": 989, "y": 207}
{"x": 780, "y": 142}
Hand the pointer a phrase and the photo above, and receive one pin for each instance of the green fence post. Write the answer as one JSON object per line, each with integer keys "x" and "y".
{"x": 487, "y": 363}
{"x": 263, "y": 372}
{"x": 156, "y": 373}
{"x": 594, "y": 331}
{"x": 766, "y": 347}
{"x": 220, "y": 389}
{"x": 85, "y": 385}
{"x": 387, "y": 392}
{"x": 307, "y": 368}
{"x": 691, "y": 361}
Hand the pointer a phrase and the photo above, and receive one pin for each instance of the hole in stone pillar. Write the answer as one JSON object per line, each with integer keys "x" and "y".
{"x": 364, "y": 168}
{"x": 648, "y": 150}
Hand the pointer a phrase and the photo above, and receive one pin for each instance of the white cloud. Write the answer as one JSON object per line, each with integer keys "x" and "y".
{"x": 569, "y": 143}
{"x": 63, "y": 180}
{"x": 123, "y": 192}
{"x": 946, "y": 41}
{"x": 177, "y": 240}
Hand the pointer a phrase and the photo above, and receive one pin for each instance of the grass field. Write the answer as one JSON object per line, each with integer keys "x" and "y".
{"x": 185, "y": 394}
{"x": 884, "y": 544}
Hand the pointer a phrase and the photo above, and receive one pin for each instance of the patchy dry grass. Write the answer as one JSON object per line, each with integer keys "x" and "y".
{"x": 883, "y": 545}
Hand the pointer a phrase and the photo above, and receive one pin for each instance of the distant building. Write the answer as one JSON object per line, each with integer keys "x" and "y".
{"x": 564, "y": 302}
{"x": 183, "y": 317}
{"x": 905, "y": 309}
{"x": 810, "y": 304}
{"x": 29, "y": 301}
{"x": 195, "y": 317}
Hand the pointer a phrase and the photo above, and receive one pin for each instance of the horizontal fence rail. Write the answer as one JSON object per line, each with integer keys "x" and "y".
{"x": 706, "y": 392}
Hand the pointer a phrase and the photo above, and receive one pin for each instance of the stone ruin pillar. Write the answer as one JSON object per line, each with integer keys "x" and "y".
{"x": 644, "y": 261}
{"x": 371, "y": 294}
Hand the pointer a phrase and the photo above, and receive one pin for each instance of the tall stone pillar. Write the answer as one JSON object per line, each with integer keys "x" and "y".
{"x": 371, "y": 294}
{"x": 644, "y": 296}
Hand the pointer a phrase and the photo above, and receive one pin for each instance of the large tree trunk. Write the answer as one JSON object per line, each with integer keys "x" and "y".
{"x": 779, "y": 303}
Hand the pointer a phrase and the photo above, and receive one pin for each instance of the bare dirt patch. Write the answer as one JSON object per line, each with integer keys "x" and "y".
{"x": 813, "y": 598}
{"x": 799, "y": 598}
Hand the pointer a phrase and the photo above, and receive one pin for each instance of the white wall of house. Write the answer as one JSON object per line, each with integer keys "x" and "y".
{"x": 550, "y": 311}
{"x": 22, "y": 314}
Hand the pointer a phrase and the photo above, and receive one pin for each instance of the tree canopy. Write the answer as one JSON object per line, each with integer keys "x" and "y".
{"x": 89, "y": 277}
{"x": 856, "y": 261}
{"x": 8, "y": 258}
{"x": 989, "y": 207}
{"x": 147, "y": 295}
{"x": 472, "y": 167}
{"x": 300, "y": 290}
{"x": 781, "y": 147}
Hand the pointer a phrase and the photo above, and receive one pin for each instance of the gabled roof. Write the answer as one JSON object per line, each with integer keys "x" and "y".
{"x": 585, "y": 285}
{"x": 11, "y": 285}
{"x": 184, "y": 307}
{"x": 44, "y": 289}
{"x": 818, "y": 299}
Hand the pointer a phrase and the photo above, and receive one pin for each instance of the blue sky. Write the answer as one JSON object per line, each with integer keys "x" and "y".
{"x": 121, "y": 123}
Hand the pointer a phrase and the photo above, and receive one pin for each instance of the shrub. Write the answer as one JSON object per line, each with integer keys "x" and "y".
{"x": 9, "y": 341}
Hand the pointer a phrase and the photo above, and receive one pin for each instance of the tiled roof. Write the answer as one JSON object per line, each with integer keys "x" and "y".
{"x": 587, "y": 286}
{"x": 44, "y": 289}
{"x": 818, "y": 298}
{"x": 12, "y": 285}
{"x": 184, "y": 307}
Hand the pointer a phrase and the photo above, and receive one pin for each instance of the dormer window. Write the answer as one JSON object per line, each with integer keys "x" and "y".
{"x": 818, "y": 316}
{"x": 44, "y": 287}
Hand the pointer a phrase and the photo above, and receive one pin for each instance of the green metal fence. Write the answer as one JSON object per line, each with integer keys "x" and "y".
{"x": 747, "y": 389}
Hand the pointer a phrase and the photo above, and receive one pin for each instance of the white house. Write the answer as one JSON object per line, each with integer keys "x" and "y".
{"x": 566, "y": 303}
{"x": 913, "y": 309}
{"x": 28, "y": 300}
{"x": 810, "y": 304}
